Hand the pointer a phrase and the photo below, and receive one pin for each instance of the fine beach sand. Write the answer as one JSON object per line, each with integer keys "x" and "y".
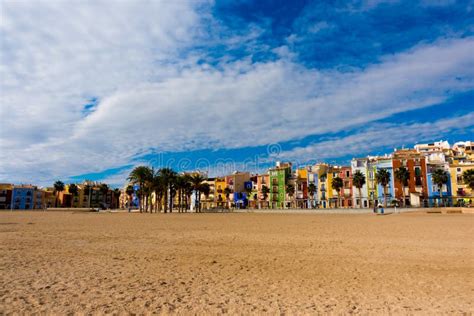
{"x": 62, "y": 262}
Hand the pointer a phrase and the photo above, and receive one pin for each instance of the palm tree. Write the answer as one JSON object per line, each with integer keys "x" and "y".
{"x": 117, "y": 194}
{"x": 290, "y": 190}
{"x": 382, "y": 176}
{"x": 196, "y": 181}
{"x": 248, "y": 191}
{"x": 141, "y": 175}
{"x": 205, "y": 188}
{"x": 468, "y": 178}
{"x": 104, "y": 189}
{"x": 180, "y": 186}
{"x": 74, "y": 190}
{"x": 312, "y": 190}
{"x": 337, "y": 184}
{"x": 440, "y": 177}
{"x": 265, "y": 192}
{"x": 87, "y": 191}
{"x": 58, "y": 187}
{"x": 227, "y": 192}
{"x": 129, "y": 191}
{"x": 402, "y": 174}
{"x": 168, "y": 176}
{"x": 158, "y": 187}
{"x": 358, "y": 179}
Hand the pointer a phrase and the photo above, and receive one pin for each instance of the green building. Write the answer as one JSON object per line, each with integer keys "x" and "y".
{"x": 278, "y": 179}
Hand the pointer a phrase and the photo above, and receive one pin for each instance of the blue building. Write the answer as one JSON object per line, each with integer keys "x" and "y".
{"x": 240, "y": 199}
{"x": 23, "y": 197}
{"x": 385, "y": 163}
{"x": 433, "y": 189}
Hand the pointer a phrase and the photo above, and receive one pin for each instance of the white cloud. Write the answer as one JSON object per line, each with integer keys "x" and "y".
{"x": 380, "y": 136}
{"x": 58, "y": 55}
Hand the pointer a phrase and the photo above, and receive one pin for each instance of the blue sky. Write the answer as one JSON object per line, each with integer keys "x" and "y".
{"x": 92, "y": 89}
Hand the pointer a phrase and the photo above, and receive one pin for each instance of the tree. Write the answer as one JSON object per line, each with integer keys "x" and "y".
{"x": 382, "y": 176}
{"x": 58, "y": 187}
{"x": 337, "y": 184}
{"x": 358, "y": 179}
{"x": 141, "y": 175}
{"x": 117, "y": 194}
{"x": 468, "y": 178}
{"x": 440, "y": 177}
{"x": 168, "y": 176}
{"x": 312, "y": 191}
{"x": 227, "y": 193}
{"x": 158, "y": 186}
{"x": 402, "y": 175}
{"x": 73, "y": 189}
{"x": 290, "y": 190}
{"x": 180, "y": 184}
{"x": 104, "y": 189}
{"x": 187, "y": 190}
{"x": 129, "y": 191}
{"x": 196, "y": 181}
{"x": 205, "y": 189}
{"x": 248, "y": 190}
{"x": 265, "y": 192}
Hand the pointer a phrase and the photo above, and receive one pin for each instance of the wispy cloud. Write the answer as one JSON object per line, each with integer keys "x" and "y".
{"x": 88, "y": 86}
{"x": 379, "y": 136}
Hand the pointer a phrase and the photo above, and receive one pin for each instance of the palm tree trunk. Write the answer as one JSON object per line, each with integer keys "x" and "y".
{"x": 360, "y": 197}
{"x": 166, "y": 200}
{"x": 385, "y": 196}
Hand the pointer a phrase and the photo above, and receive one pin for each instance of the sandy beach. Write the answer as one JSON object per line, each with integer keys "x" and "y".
{"x": 63, "y": 262}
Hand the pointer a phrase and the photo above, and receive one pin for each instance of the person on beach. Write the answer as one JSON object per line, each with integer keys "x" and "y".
{"x": 380, "y": 207}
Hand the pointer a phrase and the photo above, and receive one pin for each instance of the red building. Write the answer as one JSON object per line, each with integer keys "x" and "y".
{"x": 416, "y": 190}
{"x": 346, "y": 175}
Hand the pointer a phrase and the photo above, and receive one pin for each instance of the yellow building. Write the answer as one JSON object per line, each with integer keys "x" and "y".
{"x": 5, "y": 195}
{"x": 323, "y": 188}
{"x": 461, "y": 192}
{"x": 208, "y": 202}
{"x": 219, "y": 196}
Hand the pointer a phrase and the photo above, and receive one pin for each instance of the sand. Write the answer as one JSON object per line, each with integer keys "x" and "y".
{"x": 59, "y": 262}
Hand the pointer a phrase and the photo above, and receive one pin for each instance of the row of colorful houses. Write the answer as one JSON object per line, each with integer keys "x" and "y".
{"x": 88, "y": 194}
{"x": 284, "y": 186}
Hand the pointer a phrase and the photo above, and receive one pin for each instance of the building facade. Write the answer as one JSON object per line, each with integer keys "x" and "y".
{"x": 278, "y": 180}
{"x": 5, "y": 196}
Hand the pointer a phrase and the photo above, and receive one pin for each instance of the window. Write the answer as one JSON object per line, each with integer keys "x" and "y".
{"x": 458, "y": 169}
{"x": 347, "y": 174}
{"x": 418, "y": 172}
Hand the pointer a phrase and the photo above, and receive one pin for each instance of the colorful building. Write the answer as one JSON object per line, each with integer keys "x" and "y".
{"x": 263, "y": 180}
{"x": 301, "y": 188}
{"x": 220, "y": 196}
{"x": 416, "y": 192}
{"x": 462, "y": 194}
{"x": 279, "y": 176}
{"x": 388, "y": 195}
{"x": 23, "y": 197}
{"x": 362, "y": 195}
{"x": 5, "y": 196}
{"x": 346, "y": 192}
